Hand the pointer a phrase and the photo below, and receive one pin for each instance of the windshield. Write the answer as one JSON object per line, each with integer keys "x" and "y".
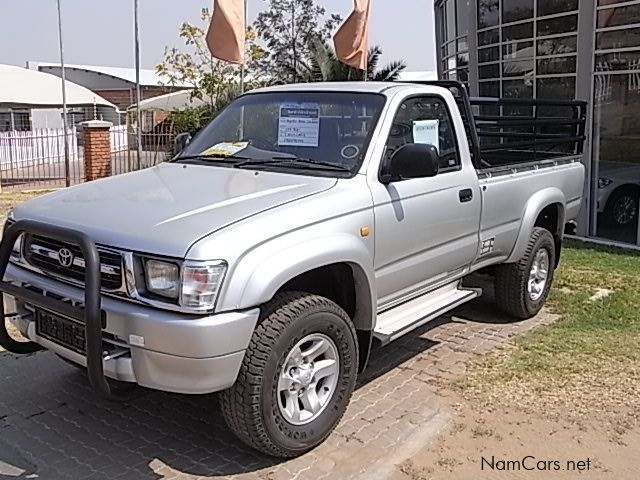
{"x": 318, "y": 132}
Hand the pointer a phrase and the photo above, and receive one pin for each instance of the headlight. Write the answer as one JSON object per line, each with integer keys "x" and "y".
{"x": 604, "y": 182}
{"x": 201, "y": 282}
{"x": 162, "y": 278}
{"x": 193, "y": 285}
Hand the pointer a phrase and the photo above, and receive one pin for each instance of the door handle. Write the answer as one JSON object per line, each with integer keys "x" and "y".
{"x": 465, "y": 195}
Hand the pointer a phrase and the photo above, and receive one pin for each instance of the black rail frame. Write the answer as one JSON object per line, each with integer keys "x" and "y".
{"x": 90, "y": 314}
{"x": 478, "y": 126}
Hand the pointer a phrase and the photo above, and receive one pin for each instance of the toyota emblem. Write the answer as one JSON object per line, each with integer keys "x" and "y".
{"x": 65, "y": 257}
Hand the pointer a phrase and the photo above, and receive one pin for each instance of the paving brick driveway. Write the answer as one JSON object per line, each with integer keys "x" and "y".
{"x": 52, "y": 426}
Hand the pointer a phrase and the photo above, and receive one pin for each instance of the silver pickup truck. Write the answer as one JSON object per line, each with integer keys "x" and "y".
{"x": 303, "y": 224}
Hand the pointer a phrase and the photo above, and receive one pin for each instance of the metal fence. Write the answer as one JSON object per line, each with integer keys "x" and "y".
{"x": 156, "y": 148}
{"x": 35, "y": 159}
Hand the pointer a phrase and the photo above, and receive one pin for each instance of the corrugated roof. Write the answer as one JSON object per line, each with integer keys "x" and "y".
{"x": 148, "y": 78}
{"x": 170, "y": 102}
{"x": 30, "y": 88}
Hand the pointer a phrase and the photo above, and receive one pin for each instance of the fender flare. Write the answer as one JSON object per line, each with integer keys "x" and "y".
{"x": 538, "y": 202}
{"x": 263, "y": 271}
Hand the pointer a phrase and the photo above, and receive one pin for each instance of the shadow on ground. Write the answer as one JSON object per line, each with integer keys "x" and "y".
{"x": 52, "y": 426}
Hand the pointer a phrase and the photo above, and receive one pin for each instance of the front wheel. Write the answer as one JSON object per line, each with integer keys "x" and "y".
{"x": 522, "y": 288}
{"x": 297, "y": 376}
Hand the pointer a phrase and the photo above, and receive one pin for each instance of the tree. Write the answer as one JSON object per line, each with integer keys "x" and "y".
{"x": 210, "y": 79}
{"x": 215, "y": 82}
{"x": 287, "y": 27}
{"x": 324, "y": 66}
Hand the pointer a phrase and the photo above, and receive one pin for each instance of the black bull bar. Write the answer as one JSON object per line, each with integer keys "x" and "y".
{"x": 90, "y": 314}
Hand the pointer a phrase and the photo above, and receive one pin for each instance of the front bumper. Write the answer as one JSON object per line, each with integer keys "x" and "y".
{"x": 154, "y": 348}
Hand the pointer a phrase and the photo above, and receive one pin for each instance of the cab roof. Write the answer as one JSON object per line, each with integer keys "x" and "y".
{"x": 354, "y": 87}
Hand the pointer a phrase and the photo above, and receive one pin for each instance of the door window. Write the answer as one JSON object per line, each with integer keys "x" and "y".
{"x": 425, "y": 120}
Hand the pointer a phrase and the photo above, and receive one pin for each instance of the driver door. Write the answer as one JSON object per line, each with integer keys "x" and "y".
{"x": 426, "y": 228}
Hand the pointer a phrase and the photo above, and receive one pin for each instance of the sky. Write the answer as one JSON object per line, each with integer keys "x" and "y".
{"x": 100, "y": 32}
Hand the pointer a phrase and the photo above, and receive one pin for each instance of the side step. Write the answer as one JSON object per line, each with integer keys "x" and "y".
{"x": 408, "y": 316}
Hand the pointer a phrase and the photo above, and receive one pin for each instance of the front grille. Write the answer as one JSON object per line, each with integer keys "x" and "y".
{"x": 43, "y": 253}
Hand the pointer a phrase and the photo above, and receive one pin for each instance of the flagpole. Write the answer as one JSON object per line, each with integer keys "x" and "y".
{"x": 137, "y": 60}
{"x": 242, "y": 67}
{"x": 67, "y": 179}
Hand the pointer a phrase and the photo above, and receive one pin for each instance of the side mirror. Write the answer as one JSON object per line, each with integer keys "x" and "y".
{"x": 414, "y": 160}
{"x": 180, "y": 142}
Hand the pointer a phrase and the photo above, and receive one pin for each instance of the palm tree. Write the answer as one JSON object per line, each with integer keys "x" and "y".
{"x": 324, "y": 66}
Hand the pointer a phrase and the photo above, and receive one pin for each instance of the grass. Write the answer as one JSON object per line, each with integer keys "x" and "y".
{"x": 10, "y": 199}
{"x": 589, "y": 360}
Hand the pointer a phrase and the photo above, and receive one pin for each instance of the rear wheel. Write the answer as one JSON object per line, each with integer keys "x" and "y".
{"x": 522, "y": 288}
{"x": 296, "y": 378}
{"x": 622, "y": 207}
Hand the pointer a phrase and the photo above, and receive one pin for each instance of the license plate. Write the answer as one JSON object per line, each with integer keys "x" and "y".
{"x": 61, "y": 330}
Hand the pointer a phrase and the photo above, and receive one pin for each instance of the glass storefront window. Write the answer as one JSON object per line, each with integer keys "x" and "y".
{"x": 463, "y": 9}
{"x": 450, "y": 8}
{"x": 618, "y": 61}
{"x": 489, "y": 37}
{"x": 616, "y": 146}
{"x": 488, "y": 13}
{"x": 517, "y": 32}
{"x": 613, "y": 17}
{"x": 556, "y": 46}
{"x": 556, "y": 87}
{"x": 489, "y": 71}
{"x": 522, "y": 88}
{"x": 519, "y": 68}
{"x": 549, "y": 7}
{"x": 515, "y": 10}
{"x": 548, "y": 66}
{"x": 451, "y": 48}
{"x": 553, "y": 26}
{"x": 517, "y": 50}
{"x": 491, "y": 54}
{"x": 628, "y": 37}
{"x": 489, "y": 89}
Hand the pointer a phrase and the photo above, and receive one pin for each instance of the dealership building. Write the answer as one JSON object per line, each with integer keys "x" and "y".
{"x": 561, "y": 49}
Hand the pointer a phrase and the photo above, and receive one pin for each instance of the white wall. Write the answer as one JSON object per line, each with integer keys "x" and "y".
{"x": 46, "y": 118}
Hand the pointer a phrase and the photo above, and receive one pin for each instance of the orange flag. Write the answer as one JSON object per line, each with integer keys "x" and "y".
{"x": 352, "y": 38}
{"x": 226, "y": 34}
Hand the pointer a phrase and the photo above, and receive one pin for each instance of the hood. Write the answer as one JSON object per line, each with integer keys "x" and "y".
{"x": 165, "y": 209}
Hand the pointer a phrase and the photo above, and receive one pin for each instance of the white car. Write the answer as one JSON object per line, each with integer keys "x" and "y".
{"x": 618, "y": 192}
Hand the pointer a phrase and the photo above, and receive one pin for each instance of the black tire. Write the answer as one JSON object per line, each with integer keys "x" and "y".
{"x": 512, "y": 279}
{"x": 250, "y": 407}
{"x": 622, "y": 207}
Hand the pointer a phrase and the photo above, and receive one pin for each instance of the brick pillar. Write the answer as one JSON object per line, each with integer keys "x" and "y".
{"x": 97, "y": 149}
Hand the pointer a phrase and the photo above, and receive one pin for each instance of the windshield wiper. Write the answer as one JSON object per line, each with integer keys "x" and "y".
{"x": 294, "y": 162}
{"x": 213, "y": 159}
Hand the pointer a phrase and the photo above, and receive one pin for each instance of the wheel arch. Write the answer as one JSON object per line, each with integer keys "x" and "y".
{"x": 339, "y": 267}
{"x": 544, "y": 209}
